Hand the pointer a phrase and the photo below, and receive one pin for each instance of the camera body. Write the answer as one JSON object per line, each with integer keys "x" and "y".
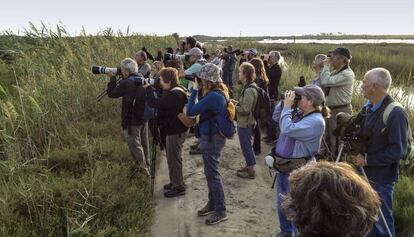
{"x": 349, "y": 129}
{"x": 140, "y": 81}
{"x": 105, "y": 70}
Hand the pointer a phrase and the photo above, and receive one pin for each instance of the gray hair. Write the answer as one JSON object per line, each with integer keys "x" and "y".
{"x": 275, "y": 54}
{"x": 381, "y": 77}
{"x": 279, "y": 59}
{"x": 130, "y": 65}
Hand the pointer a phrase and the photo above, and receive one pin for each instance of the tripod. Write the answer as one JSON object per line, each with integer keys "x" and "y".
{"x": 104, "y": 92}
{"x": 342, "y": 145}
{"x": 154, "y": 151}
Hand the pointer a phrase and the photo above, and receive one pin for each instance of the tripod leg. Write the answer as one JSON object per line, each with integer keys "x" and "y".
{"x": 325, "y": 144}
{"x": 274, "y": 180}
{"x": 341, "y": 149}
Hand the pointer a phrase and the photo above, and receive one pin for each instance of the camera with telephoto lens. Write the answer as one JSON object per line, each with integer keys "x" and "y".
{"x": 154, "y": 82}
{"x": 237, "y": 52}
{"x": 349, "y": 129}
{"x": 170, "y": 56}
{"x": 105, "y": 70}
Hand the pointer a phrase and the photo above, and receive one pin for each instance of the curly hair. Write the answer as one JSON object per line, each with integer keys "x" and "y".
{"x": 329, "y": 199}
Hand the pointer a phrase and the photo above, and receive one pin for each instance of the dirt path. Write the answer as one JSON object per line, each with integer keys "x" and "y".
{"x": 250, "y": 203}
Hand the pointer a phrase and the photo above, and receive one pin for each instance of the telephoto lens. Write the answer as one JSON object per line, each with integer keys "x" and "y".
{"x": 105, "y": 70}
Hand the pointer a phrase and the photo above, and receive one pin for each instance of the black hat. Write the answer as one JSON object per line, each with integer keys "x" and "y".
{"x": 342, "y": 51}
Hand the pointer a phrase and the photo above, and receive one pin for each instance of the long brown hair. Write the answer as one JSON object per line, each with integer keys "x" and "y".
{"x": 248, "y": 71}
{"x": 324, "y": 197}
{"x": 209, "y": 86}
{"x": 259, "y": 69}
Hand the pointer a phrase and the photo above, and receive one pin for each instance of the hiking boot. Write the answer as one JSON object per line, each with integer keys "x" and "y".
{"x": 244, "y": 169}
{"x": 195, "y": 151}
{"x": 195, "y": 145}
{"x": 168, "y": 186}
{"x": 174, "y": 192}
{"x": 248, "y": 174}
{"x": 206, "y": 210}
{"x": 216, "y": 218}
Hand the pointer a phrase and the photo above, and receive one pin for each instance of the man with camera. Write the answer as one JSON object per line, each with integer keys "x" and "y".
{"x": 133, "y": 102}
{"x": 339, "y": 84}
{"x": 274, "y": 73}
{"x": 144, "y": 68}
{"x": 228, "y": 67}
{"x": 385, "y": 142}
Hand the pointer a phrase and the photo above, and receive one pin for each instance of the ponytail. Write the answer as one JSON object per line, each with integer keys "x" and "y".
{"x": 326, "y": 112}
{"x": 323, "y": 109}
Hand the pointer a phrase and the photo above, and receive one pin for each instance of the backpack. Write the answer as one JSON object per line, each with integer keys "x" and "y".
{"x": 224, "y": 120}
{"x": 410, "y": 145}
{"x": 262, "y": 108}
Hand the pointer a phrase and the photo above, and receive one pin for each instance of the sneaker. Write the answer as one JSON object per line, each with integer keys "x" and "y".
{"x": 174, "y": 192}
{"x": 195, "y": 151}
{"x": 206, "y": 210}
{"x": 215, "y": 218}
{"x": 244, "y": 169}
{"x": 168, "y": 186}
{"x": 280, "y": 234}
{"x": 249, "y": 174}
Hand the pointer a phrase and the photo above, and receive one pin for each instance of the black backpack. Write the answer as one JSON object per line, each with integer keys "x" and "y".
{"x": 262, "y": 108}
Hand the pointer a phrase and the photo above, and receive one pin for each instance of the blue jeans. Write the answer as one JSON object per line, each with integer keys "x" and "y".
{"x": 228, "y": 78}
{"x": 210, "y": 151}
{"x": 282, "y": 188}
{"x": 246, "y": 145}
{"x": 385, "y": 191}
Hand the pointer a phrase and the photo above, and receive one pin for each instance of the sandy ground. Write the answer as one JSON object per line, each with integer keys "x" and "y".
{"x": 250, "y": 203}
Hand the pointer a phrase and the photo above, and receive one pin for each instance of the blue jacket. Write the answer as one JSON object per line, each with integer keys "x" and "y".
{"x": 385, "y": 145}
{"x": 212, "y": 103}
{"x": 299, "y": 137}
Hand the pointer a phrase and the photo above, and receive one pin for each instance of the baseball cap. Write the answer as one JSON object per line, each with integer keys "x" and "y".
{"x": 342, "y": 51}
{"x": 195, "y": 52}
{"x": 251, "y": 51}
{"x": 314, "y": 92}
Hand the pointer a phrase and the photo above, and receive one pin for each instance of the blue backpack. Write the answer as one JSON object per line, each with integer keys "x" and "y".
{"x": 223, "y": 121}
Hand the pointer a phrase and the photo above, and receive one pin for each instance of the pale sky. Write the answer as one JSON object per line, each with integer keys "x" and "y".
{"x": 214, "y": 17}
